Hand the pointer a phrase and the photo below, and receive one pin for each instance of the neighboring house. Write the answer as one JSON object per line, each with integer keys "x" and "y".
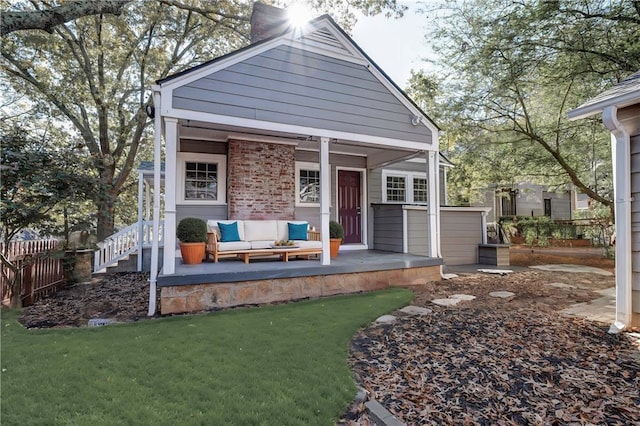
{"x": 299, "y": 125}
{"x": 527, "y": 199}
{"x": 620, "y": 108}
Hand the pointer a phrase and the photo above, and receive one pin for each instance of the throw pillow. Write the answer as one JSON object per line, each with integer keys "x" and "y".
{"x": 228, "y": 232}
{"x": 298, "y": 231}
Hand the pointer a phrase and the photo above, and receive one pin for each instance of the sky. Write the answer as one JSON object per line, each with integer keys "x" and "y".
{"x": 396, "y": 45}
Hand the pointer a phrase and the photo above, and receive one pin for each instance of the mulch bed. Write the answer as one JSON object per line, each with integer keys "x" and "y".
{"x": 123, "y": 297}
{"x": 493, "y": 361}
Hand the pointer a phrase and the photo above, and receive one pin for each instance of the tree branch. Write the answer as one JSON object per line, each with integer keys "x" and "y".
{"x": 47, "y": 19}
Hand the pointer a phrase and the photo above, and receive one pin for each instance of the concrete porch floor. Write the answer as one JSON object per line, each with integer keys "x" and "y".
{"x": 233, "y": 270}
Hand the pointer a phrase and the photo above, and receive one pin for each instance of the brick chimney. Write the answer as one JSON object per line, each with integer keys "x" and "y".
{"x": 267, "y": 21}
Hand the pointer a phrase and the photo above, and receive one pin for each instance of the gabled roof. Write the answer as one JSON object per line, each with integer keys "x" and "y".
{"x": 321, "y": 34}
{"x": 623, "y": 94}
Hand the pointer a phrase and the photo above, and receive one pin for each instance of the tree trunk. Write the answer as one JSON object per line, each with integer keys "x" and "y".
{"x": 106, "y": 214}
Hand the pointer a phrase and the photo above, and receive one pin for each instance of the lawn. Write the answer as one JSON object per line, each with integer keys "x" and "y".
{"x": 284, "y": 364}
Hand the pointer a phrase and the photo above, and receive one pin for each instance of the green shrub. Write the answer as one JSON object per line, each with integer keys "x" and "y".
{"x": 192, "y": 230}
{"x": 336, "y": 230}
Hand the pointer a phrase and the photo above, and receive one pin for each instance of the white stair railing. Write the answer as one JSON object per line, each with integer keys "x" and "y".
{"x": 122, "y": 244}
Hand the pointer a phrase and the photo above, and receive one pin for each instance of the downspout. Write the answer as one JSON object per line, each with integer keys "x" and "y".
{"x": 621, "y": 159}
{"x": 157, "y": 170}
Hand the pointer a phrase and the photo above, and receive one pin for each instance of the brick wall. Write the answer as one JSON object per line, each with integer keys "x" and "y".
{"x": 261, "y": 182}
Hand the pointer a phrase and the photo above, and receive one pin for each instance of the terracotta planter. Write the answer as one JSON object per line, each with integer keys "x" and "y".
{"x": 192, "y": 253}
{"x": 334, "y": 247}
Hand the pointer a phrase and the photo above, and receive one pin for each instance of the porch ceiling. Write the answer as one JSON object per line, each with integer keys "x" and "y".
{"x": 377, "y": 155}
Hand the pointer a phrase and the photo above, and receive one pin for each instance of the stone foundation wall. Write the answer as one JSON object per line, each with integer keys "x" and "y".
{"x": 206, "y": 297}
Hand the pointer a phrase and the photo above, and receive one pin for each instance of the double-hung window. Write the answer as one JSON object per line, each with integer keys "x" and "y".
{"x": 307, "y": 184}
{"x": 404, "y": 187}
{"x": 201, "y": 178}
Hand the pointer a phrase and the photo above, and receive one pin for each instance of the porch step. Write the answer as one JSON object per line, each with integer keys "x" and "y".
{"x": 126, "y": 264}
{"x": 130, "y": 263}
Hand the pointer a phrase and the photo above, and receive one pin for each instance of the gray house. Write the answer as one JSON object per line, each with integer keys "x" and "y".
{"x": 620, "y": 108}
{"x": 527, "y": 199}
{"x": 300, "y": 125}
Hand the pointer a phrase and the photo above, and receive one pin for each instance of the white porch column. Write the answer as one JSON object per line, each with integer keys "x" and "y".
{"x": 171, "y": 143}
{"x": 483, "y": 223}
{"x": 140, "y": 219}
{"x": 325, "y": 198}
{"x": 433, "y": 203}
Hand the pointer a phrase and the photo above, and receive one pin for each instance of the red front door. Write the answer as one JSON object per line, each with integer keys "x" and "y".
{"x": 349, "y": 205}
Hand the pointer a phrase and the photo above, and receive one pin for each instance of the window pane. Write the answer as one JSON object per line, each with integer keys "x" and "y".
{"x": 201, "y": 181}
{"x": 419, "y": 190}
{"x": 309, "y": 186}
{"x": 396, "y": 188}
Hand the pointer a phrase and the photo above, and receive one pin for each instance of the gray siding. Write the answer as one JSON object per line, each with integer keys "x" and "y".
{"x": 635, "y": 221}
{"x": 202, "y": 212}
{"x": 387, "y": 227}
{"x": 461, "y": 233}
{"x": 560, "y": 204}
{"x": 417, "y": 232}
{"x": 292, "y": 86}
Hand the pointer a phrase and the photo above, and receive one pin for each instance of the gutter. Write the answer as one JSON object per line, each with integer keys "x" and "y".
{"x": 621, "y": 158}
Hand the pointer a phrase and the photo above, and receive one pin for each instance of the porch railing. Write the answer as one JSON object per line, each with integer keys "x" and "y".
{"x": 120, "y": 245}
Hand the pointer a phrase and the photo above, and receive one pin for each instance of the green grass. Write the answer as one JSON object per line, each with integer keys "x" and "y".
{"x": 276, "y": 365}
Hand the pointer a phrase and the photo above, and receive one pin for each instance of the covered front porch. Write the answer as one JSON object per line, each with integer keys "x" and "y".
{"x": 231, "y": 282}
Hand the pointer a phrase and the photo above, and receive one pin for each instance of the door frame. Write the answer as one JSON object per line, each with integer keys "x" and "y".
{"x": 364, "y": 207}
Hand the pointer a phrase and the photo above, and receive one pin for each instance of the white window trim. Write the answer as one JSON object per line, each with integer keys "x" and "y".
{"x": 304, "y": 165}
{"x": 408, "y": 176}
{"x": 220, "y": 160}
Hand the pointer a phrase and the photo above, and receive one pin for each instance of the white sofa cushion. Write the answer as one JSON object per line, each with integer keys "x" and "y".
{"x": 260, "y": 245}
{"x": 260, "y": 230}
{"x": 309, "y": 244}
{"x": 233, "y": 246}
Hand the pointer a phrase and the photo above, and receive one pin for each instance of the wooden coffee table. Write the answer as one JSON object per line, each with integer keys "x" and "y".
{"x": 285, "y": 253}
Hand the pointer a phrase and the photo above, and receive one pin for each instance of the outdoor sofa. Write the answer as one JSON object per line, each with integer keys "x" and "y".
{"x": 247, "y": 238}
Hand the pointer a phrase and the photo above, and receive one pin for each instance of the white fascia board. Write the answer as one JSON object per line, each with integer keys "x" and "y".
{"x": 466, "y": 209}
{"x": 621, "y": 101}
{"x": 290, "y": 128}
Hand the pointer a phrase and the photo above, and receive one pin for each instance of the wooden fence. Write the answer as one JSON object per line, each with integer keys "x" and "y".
{"x": 42, "y": 271}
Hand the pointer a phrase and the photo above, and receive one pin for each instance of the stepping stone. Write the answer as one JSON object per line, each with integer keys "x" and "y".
{"x": 100, "y": 322}
{"x": 496, "y": 271}
{"x": 449, "y": 276}
{"x": 502, "y": 294}
{"x": 561, "y": 285}
{"x": 386, "y": 319}
{"x": 446, "y": 302}
{"x": 416, "y": 310}
{"x": 465, "y": 297}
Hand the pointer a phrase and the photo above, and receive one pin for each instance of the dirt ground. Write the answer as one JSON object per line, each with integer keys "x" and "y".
{"x": 526, "y": 256}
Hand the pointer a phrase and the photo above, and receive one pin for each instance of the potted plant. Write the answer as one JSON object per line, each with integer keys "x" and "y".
{"x": 336, "y": 235}
{"x": 192, "y": 233}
